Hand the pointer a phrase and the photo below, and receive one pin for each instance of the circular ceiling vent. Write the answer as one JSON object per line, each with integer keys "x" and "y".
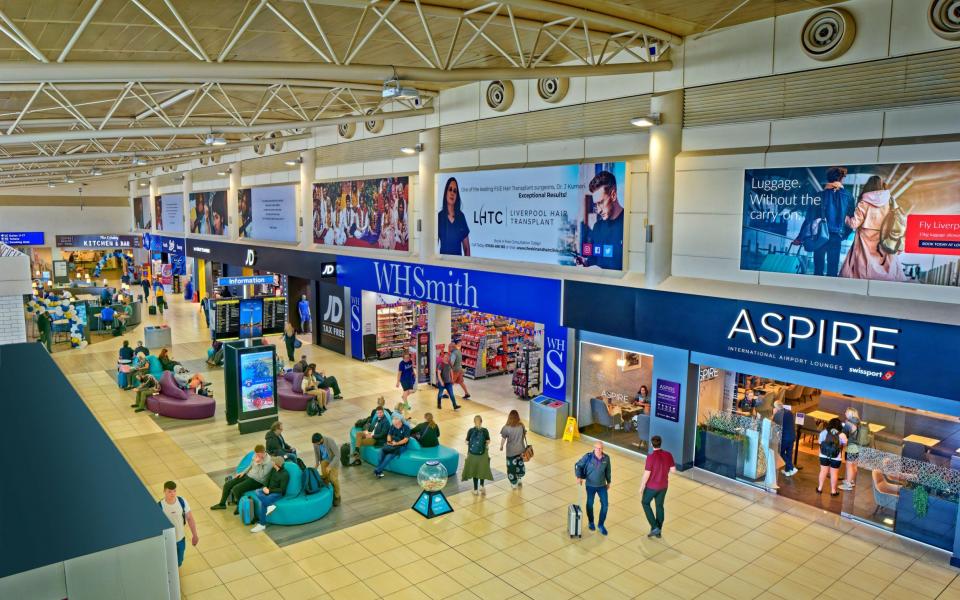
{"x": 261, "y": 146}
{"x": 276, "y": 141}
{"x": 944, "y": 19}
{"x": 553, "y": 89}
{"x": 828, "y": 34}
{"x": 373, "y": 125}
{"x": 500, "y": 95}
{"x": 347, "y": 130}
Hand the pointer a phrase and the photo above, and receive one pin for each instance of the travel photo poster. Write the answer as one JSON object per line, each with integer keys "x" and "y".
{"x": 141, "y": 213}
{"x": 571, "y": 215}
{"x": 888, "y": 222}
{"x": 268, "y": 213}
{"x": 256, "y": 381}
{"x": 169, "y": 212}
{"x": 208, "y": 212}
{"x": 364, "y": 213}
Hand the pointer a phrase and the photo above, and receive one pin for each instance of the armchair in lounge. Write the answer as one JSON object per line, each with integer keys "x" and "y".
{"x": 885, "y": 494}
{"x": 601, "y": 416}
{"x": 413, "y": 457}
{"x": 643, "y": 430}
{"x": 296, "y": 507}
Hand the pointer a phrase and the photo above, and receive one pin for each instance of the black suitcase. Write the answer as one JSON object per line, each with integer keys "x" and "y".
{"x": 152, "y": 310}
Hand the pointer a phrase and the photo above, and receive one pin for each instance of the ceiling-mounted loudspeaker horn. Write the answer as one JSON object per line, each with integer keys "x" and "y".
{"x": 500, "y": 95}
{"x": 943, "y": 16}
{"x": 260, "y": 147}
{"x": 204, "y": 160}
{"x": 553, "y": 89}
{"x": 373, "y": 125}
{"x": 276, "y": 141}
{"x": 347, "y": 130}
{"x": 828, "y": 34}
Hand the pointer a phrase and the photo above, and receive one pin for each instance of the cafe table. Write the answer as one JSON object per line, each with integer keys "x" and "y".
{"x": 919, "y": 439}
{"x": 821, "y": 415}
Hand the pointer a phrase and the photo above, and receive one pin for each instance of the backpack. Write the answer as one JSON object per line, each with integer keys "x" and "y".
{"x": 864, "y": 437}
{"x": 300, "y": 463}
{"x": 476, "y": 445}
{"x": 893, "y": 230}
{"x": 345, "y": 455}
{"x": 312, "y": 482}
{"x": 830, "y": 446}
{"x": 313, "y": 407}
{"x": 183, "y": 508}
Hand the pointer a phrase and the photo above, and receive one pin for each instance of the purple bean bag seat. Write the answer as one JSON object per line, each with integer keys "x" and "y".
{"x": 179, "y": 404}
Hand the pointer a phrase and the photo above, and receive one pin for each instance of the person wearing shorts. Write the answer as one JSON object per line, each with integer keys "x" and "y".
{"x": 832, "y": 441}
{"x": 456, "y": 366}
{"x": 406, "y": 378}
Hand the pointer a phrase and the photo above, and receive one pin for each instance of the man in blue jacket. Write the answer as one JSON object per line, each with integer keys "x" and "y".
{"x": 303, "y": 307}
{"x": 835, "y": 204}
{"x": 594, "y": 468}
{"x": 788, "y": 434}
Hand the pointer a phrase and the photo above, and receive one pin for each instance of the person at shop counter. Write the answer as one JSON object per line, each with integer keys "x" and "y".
{"x": 603, "y": 243}
{"x": 451, "y": 223}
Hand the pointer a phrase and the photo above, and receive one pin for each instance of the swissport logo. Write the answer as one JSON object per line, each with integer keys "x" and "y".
{"x": 889, "y": 375}
{"x": 884, "y": 375}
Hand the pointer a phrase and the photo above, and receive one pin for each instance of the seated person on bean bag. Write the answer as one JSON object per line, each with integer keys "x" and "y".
{"x": 276, "y": 445}
{"x": 381, "y": 404}
{"x": 254, "y": 477}
{"x": 141, "y": 348}
{"x": 326, "y": 382}
{"x": 165, "y": 361}
{"x": 375, "y": 431}
{"x": 427, "y": 433}
{"x": 148, "y": 387}
{"x": 397, "y": 439}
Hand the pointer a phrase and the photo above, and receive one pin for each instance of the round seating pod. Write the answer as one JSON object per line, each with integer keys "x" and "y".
{"x": 413, "y": 457}
{"x": 296, "y": 507}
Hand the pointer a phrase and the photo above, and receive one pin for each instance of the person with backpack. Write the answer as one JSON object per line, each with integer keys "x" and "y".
{"x": 880, "y": 225}
{"x": 594, "y": 469}
{"x": 834, "y": 206}
{"x": 325, "y": 450}
{"x": 270, "y": 493}
{"x": 178, "y": 513}
{"x": 832, "y": 440}
{"x": 858, "y": 438}
{"x": 477, "y": 465}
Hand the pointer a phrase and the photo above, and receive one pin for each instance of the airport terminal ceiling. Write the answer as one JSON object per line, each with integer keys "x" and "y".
{"x": 93, "y": 88}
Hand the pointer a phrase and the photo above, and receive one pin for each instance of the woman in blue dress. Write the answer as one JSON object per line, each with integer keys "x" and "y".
{"x": 452, "y": 224}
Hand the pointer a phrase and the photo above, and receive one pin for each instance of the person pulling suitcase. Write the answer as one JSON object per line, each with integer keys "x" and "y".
{"x": 594, "y": 469}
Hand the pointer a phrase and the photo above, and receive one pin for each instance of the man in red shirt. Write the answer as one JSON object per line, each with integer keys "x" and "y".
{"x": 658, "y": 467}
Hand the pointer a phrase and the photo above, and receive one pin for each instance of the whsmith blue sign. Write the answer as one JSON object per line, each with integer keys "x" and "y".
{"x": 911, "y": 356}
{"x": 246, "y": 280}
{"x": 22, "y": 238}
{"x": 530, "y": 298}
{"x": 162, "y": 243}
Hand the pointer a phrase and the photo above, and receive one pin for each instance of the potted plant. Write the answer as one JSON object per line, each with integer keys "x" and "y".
{"x": 720, "y": 445}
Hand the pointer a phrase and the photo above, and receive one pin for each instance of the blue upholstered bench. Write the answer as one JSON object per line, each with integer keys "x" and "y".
{"x": 413, "y": 457}
{"x": 295, "y": 508}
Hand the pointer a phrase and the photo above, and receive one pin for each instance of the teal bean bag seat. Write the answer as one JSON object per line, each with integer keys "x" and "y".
{"x": 296, "y": 507}
{"x": 413, "y": 457}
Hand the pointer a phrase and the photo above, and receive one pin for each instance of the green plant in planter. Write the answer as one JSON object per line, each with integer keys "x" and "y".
{"x": 921, "y": 500}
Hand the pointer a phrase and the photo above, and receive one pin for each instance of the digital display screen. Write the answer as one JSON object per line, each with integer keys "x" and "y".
{"x": 251, "y": 318}
{"x": 256, "y": 381}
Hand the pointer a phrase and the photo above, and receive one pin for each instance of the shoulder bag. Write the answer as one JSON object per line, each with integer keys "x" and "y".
{"x": 527, "y": 448}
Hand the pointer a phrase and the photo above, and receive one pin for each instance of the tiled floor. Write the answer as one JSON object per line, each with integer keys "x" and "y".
{"x": 722, "y": 540}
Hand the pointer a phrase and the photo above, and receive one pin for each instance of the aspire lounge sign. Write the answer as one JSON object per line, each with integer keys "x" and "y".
{"x": 835, "y": 346}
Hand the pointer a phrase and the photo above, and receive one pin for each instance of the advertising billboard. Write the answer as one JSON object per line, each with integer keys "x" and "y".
{"x": 891, "y": 222}
{"x": 571, "y": 215}
{"x": 141, "y": 213}
{"x": 257, "y": 382}
{"x": 101, "y": 242}
{"x": 268, "y": 213}
{"x": 332, "y": 317}
{"x": 364, "y": 213}
{"x": 208, "y": 212}
{"x": 251, "y": 318}
{"x": 169, "y": 211}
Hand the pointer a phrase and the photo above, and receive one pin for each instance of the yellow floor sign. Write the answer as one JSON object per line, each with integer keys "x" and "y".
{"x": 570, "y": 431}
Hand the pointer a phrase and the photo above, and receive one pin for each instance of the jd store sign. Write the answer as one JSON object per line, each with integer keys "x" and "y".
{"x": 332, "y": 317}
{"x": 530, "y": 298}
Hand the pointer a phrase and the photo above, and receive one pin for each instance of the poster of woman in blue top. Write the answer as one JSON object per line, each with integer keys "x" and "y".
{"x": 452, "y": 225}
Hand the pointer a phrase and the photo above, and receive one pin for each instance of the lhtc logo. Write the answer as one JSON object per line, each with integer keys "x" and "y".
{"x": 334, "y": 312}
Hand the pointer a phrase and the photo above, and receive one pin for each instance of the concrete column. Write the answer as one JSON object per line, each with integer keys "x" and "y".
{"x": 187, "y": 204}
{"x": 426, "y": 200}
{"x": 232, "y": 190}
{"x": 438, "y": 322}
{"x": 308, "y": 169}
{"x": 154, "y": 192}
{"x": 665, "y": 140}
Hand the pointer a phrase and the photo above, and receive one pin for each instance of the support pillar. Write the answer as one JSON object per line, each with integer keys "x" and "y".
{"x": 308, "y": 169}
{"x": 425, "y": 209}
{"x": 232, "y": 191}
{"x": 439, "y": 319}
{"x": 665, "y": 141}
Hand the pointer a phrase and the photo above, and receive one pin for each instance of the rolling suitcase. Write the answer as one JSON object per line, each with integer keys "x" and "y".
{"x": 152, "y": 310}
{"x": 123, "y": 380}
{"x": 575, "y": 521}
{"x": 246, "y": 510}
{"x": 785, "y": 263}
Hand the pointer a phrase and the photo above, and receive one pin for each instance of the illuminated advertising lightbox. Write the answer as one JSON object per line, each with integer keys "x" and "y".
{"x": 257, "y": 381}
{"x": 890, "y": 222}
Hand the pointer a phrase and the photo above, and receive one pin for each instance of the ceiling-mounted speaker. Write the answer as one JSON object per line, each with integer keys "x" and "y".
{"x": 500, "y": 95}
{"x": 260, "y": 147}
{"x": 347, "y": 130}
{"x": 828, "y": 34}
{"x": 204, "y": 160}
{"x": 553, "y": 89}
{"x": 372, "y": 125}
{"x": 943, "y": 17}
{"x": 276, "y": 141}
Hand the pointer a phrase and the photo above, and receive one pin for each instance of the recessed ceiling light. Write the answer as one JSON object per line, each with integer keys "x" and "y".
{"x": 215, "y": 139}
{"x": 69, "y": 180}
{"x": 51, "y": 184}
{"x": 139, "y": 161}
{"x": 144, "y": 184}
{"x": 224, "y": 173}
{"x": 412, "y": 149}
{"x": 292, "y": 162}
{"x": 96, "y": 171}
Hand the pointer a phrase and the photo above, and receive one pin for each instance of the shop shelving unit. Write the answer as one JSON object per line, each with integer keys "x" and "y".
{"x": 526, "y": 377}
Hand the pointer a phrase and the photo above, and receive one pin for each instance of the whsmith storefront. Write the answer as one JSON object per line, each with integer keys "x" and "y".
{"x": 704, "y": 373}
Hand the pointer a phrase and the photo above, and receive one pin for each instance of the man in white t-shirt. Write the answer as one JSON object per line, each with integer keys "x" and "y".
{"x": 178, "y": 512}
